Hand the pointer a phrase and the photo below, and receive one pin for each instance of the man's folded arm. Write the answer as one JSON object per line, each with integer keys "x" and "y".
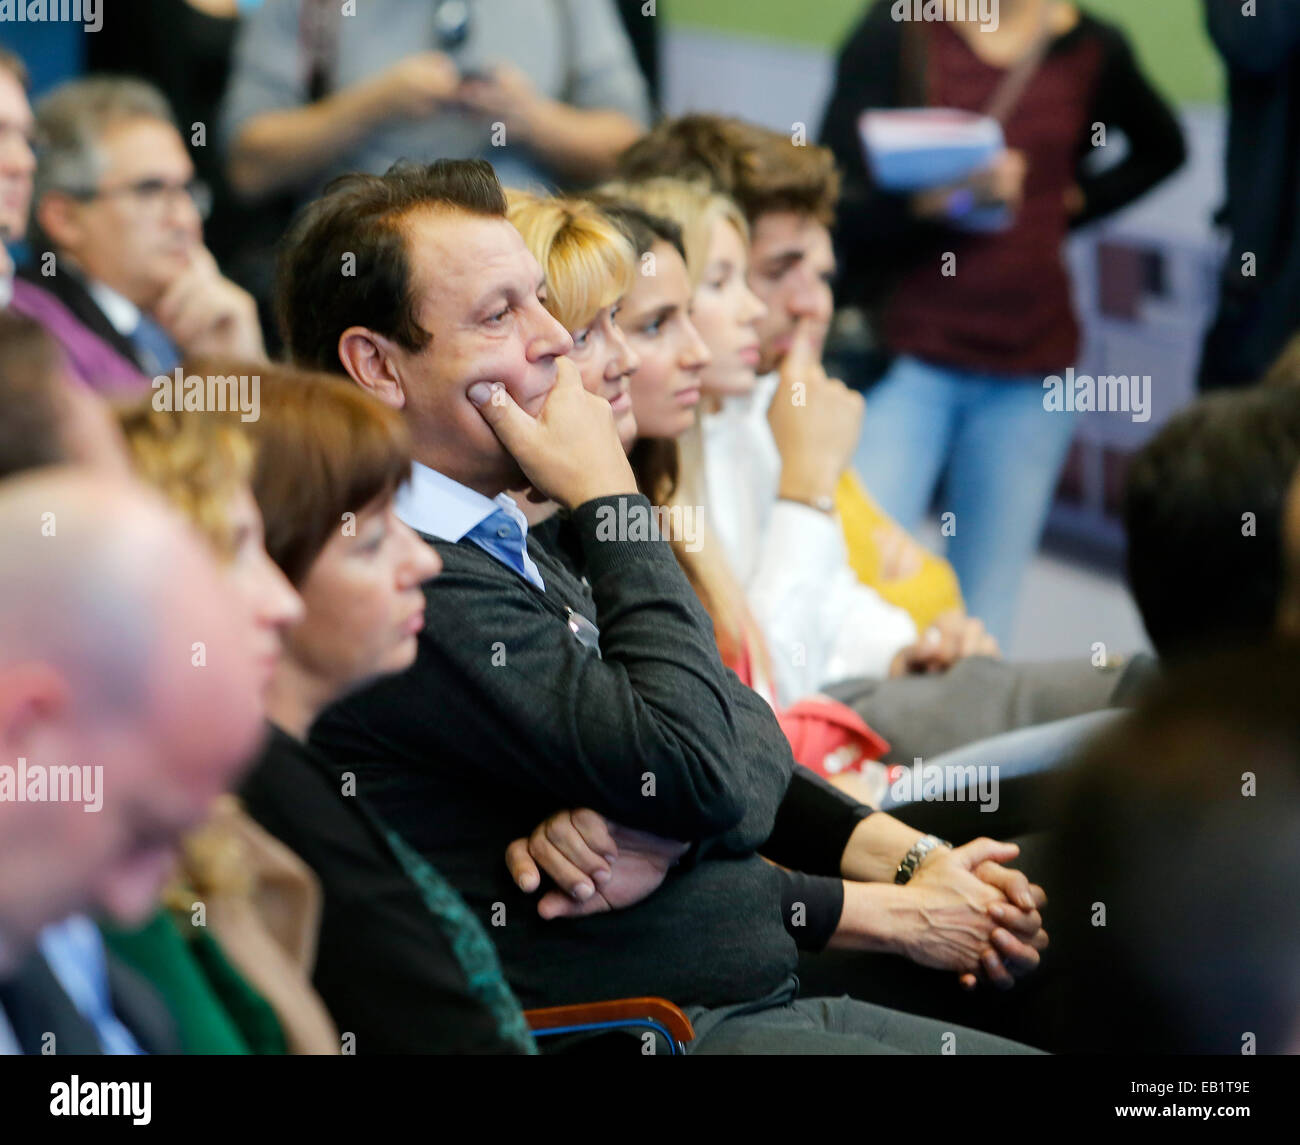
{"x": 623, "y": 576}
{"x": 811, "y": 908}
{"x": 813, "y": 826}
{"x": 649, "y": 735}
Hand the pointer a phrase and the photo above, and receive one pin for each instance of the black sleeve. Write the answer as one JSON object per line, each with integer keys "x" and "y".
{"x": 1125, "y": 100}
{"x": 384, "y": 967}
{"x": 876, "y": 233}
{"x": 1258, "y": 43}
{"x": 813, "y": 825}
{"x": 668, "y": 656}
{"x": 811, "y": 906}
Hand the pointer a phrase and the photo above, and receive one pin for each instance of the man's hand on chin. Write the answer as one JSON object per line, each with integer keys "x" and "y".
{"x": 569, "y": 452}
{"x": 205, "y": 313}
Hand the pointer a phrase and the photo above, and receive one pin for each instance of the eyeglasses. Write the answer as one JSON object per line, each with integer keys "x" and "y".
{"x": 154, "y": 195}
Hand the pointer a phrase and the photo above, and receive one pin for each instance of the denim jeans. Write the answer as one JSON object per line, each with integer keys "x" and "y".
{"x": 1016, "y": 754}
{"x": 998, "y": 453}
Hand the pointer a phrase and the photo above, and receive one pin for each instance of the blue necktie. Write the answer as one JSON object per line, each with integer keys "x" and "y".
{"x": 156, "y": 352}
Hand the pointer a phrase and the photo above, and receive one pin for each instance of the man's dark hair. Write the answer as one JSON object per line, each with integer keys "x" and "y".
{"x": 642, "y": 228}
{"x": 345, "y": 262}
{"x": 1160, "y": 828}
{"x": 1204, "y": 511}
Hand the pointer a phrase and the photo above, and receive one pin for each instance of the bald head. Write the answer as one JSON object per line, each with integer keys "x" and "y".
{"x": 73, "y": 591}
{"x": 128, "y": 696}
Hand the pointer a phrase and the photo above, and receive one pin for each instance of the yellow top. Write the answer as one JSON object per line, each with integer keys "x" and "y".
{"x": 920, "y": 582}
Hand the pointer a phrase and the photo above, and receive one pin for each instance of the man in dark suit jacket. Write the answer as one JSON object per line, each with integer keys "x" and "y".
{"x": 534, "y": 689}
{"x": 88, "y": 688}
{"x": 118, "y": 230}
{"x": 123, "y": 1015}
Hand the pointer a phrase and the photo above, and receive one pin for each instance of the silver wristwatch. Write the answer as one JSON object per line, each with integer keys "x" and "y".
{"x": 822, "y": 504}
{"x": 922, "y": 847}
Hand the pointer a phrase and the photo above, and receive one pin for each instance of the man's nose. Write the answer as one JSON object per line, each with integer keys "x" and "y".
{"x": 183, "y": 213}
{"x": 549, "y": 339}
{"x": 808, "y": 299}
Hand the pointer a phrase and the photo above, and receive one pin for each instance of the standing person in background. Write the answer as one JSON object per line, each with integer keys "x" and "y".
{"x": 974, "y": 335}
{"x": 1259, "y": 292}
{"x": 545, "y": 89}
{"x": 642, "y": 27}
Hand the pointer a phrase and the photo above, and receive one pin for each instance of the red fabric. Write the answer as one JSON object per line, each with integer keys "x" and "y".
{"x": 818, "y": 726}
{"x": 1007, "y": 309}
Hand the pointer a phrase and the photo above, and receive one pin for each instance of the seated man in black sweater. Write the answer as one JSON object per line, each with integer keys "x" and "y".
{"x": 536, "y": 689}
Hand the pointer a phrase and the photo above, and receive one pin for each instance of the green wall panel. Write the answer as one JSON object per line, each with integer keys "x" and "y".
{"x": 1168, "y": 35}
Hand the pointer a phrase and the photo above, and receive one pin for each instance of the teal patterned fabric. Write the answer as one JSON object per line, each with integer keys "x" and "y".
{"x": 469, "y": 941}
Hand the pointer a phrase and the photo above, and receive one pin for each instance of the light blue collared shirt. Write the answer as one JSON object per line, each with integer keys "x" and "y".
{"x": 8, "y": 1039}
{"x": 437, "y": 506}
{"x": 75, "y": 953}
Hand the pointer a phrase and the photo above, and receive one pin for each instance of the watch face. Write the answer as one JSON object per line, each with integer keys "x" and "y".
{"x": 451, "y": 23}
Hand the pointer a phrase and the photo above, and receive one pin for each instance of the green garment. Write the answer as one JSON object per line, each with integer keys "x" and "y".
{"x": 215, "y": 1010}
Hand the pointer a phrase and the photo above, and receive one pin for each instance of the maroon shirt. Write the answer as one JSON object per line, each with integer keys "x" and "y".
{"x": 1007, "y": 309}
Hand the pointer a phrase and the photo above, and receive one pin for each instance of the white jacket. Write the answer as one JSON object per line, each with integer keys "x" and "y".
{"x": 820, "y": 622}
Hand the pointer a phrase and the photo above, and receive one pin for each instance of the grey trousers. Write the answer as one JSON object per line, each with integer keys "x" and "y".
{"x": 786, "y": 1024}
{"x": 979, "y": 697}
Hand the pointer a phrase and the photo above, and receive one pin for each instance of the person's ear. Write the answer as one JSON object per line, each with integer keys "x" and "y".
{"x": 371, "y": 362}
{"x": 59, "y": 216}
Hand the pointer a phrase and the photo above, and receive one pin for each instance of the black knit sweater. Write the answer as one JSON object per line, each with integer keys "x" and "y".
{"x": 506, "y": 717}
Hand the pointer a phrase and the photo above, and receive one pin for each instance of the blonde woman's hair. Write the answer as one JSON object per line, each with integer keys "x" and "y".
{"x": 588, "y": 261}
{"x": 694, "y": 206}
{"x": 198, "y": 461}
{"x": 696, "y": 209}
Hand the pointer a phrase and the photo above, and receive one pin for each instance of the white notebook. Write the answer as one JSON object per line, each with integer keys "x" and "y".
{"x": 913, "y": 149}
